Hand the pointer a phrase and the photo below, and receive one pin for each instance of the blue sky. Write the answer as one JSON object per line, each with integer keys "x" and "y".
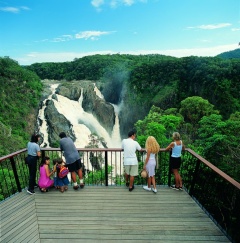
{"x": 60, "y": 30}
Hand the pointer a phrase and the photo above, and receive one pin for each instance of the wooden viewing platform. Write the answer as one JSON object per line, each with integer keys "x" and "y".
{"x": 106, "y": 214}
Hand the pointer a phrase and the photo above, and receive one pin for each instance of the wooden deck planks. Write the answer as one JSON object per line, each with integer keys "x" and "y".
{"x": 19, "y": 219}
{"x": 107, "y": 214}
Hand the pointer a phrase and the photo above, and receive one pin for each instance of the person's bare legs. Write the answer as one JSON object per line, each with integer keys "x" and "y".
{"x": 149, "y": 180}
{"x": 131, "y": 182}
{"x": 127, "y": 179}
{"x": 73, "y": 175}
{"x": 178, "y": 179}
{"x": 153, "y": 182}
{"x": 80, "y": 175}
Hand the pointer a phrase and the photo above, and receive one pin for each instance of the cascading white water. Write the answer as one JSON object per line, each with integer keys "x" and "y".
{"x": 116, "y": 138}
{"x": 83, "y": 123}
{"x": 43, "y": 126}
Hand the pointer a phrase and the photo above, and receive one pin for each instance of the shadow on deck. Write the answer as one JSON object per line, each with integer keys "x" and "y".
{"x": 106, "y": 214}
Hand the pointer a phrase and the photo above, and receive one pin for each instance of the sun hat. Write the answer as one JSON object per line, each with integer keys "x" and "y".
{"x": 144, "y": 174}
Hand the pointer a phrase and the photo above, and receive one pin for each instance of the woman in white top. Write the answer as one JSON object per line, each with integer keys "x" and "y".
{"x": 152, "y": 147}
{"x": 175, "y": 162}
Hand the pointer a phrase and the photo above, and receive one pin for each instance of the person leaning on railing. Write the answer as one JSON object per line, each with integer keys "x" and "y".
{"x": 130, "y": 146}
{"x": 175, "y": 162}
{"x": 33, "y": 154}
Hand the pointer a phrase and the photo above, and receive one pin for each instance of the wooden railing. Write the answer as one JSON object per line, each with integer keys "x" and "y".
{"x": 214, "y": 191}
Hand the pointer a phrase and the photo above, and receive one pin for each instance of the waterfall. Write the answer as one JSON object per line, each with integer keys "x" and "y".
{"x": 41, "y": 117}
{"x": 116, "y": 138}
{"x": 83, "y": 123}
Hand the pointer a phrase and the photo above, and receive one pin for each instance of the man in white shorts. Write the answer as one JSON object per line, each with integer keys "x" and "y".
{"x": 130, "y": 161}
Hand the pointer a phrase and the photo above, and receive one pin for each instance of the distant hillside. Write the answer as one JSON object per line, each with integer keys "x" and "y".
{"x": 230, "y": 54}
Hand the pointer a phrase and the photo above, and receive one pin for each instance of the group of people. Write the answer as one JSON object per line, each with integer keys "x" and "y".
{"x": 60, "y": 181}
{"x": 74, "y": 165}
{"x": 130, "y": 146}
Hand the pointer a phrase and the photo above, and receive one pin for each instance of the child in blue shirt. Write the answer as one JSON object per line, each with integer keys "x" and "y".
{"x": 62, "y": 182}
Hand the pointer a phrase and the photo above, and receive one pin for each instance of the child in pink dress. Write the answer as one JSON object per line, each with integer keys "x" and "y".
{"x": 45, "y": 181}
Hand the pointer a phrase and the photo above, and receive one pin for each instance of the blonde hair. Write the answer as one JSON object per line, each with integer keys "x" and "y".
{"x": 176, "y": 136}
{"x": 152, "y": 145}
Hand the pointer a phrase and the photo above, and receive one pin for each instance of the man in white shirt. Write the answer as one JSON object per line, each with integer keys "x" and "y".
{"x": 130, "y": 161}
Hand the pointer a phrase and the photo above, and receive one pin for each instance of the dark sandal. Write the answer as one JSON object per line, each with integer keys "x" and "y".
{"x": 82, "y": 185}
{"x": 43, "y": 190}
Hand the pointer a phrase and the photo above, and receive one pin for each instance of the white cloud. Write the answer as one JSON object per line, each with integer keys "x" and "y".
{"x": 62, "y": 38}
{"x": 14, "y": 9}
{"x": 97, "y": 3}
{"x": 93, "y": 35}
{"x": 35, "y": 57}
{"x": 38, "y": 57}
{"x": 114, "y": 3}
{"x": 10, "y": 9}
{"x": 205, "y": 41}
{"x": 128, "y": 2}
{"x": 25, "y": 8}
{"x": 235, "y": 29}
{"x": 211, "y": 26}
{"x": 208, "y": 52}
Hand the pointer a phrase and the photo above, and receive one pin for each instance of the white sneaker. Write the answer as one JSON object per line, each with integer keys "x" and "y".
{"x": 154, "y": 190}
{"x": 146, "y": 188}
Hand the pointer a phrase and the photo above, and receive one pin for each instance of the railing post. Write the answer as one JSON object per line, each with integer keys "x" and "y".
{"x": 106, "y": 168}
{"x": 15, "y": 174}
{"x": 169, "y": 169}
{"x": 42, "y": 154}
{"x": 195, "y": 175}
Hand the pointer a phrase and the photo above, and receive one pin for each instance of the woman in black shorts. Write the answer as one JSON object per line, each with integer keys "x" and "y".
{"x": 175, "y": 162}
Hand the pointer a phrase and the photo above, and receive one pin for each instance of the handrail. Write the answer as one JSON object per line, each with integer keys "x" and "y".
{"x": 214, "y": 168}
{"x": 12, "y": 154}
{"x": 207, "y": 163}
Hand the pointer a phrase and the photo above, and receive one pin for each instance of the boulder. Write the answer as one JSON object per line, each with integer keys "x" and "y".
{"x": 70, "y": 90}
{"x": 102, "y": 110}
{"x": 56, "y": 123}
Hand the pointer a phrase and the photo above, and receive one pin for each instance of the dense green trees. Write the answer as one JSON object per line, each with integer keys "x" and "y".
{"x": 20, "y": 91}
{"x": 219, "y": 142}
{"x": 215, "y": 139}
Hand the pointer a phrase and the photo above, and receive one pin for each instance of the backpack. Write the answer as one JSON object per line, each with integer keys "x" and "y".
{"x": 63, "y": 172}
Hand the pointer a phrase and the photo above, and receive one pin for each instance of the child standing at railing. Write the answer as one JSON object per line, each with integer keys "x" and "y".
{"x": 62, "y": 172}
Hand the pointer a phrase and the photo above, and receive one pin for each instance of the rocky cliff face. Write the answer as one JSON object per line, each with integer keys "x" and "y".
{"x": 101, "y": 109}
{"x": 56, "y": 123}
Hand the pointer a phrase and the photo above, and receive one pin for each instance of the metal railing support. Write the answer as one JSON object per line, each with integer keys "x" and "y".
{"x": 195, "y": 177}
{"x": 169, "y": 169}
{"x": 106, "y": 168}
{"x": 13, "y": 164}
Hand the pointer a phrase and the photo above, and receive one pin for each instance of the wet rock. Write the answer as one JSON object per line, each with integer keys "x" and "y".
{"x": 56, "y": 123}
